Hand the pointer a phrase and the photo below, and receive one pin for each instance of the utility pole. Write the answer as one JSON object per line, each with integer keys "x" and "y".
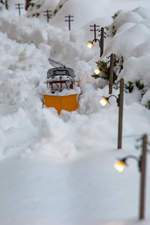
{"x": 95, "y": 31}
{"x": 27, "y": 4}
{"x": 111, "y": 73}
{"x": 102, "y": 41}
{"x": 19, "y": 6}
{"x": 48, "y": 14}
{"x": 69, "y": 19}
{"x": 120, "y": 117}
{"x": 143, "y": 177}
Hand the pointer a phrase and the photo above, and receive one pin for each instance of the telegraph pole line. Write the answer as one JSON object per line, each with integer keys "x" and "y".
{"x": 48, "y": 14}
{"x": 69, "y": 19}
{"x": 19, "y": 6}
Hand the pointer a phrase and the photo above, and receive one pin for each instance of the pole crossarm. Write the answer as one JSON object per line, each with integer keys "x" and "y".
{"x": 69, "y": 19}
{"x": 48, "y": 14}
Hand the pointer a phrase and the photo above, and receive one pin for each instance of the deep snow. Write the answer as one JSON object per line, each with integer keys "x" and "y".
{"x": 59, "y": 170}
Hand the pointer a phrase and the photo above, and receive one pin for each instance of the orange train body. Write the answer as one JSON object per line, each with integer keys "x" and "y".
{"x": 62, "y": 92}
{"x": 68, "y": 102}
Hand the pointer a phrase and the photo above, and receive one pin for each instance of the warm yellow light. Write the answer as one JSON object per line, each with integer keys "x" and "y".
{"x": 119, "y": 166}
{"x": 90, "y": 44}
{"x": 103, "y": 101}
{"x": 97, "y": 71}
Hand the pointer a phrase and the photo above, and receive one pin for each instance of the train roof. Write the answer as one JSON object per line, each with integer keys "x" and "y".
{"x": 60, "y": 71}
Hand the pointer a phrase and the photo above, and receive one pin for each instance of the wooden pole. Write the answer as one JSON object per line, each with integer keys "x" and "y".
{"x": 102, "y": 42}
{"x": 69, "y": 19}
{"x": 143, "y": 178}
{"x": 111, "y": 73}
{"x": 18, "y": 6}
{"x": 95, "y": 32}
{"x": 120, "y": 117}
{"x": 48, "y": 14}
{"x": 69, "y": 22}
{"x": 27, "y": 4}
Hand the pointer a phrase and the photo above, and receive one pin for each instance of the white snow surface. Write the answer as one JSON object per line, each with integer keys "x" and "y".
{"x": 58, "y": 170}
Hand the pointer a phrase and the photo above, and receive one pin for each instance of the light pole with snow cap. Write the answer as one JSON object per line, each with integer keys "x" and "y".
{"x": 105, "y": 100}
{"x": 141, "y": 160}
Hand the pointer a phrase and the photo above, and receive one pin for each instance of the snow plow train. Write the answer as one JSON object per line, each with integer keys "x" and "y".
{"x": 62, "y": 92}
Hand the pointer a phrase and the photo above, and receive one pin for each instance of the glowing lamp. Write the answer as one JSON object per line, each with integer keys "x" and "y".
{"x": 90, "y": 44}
{"x": 97, "y": 71}
{"x": 119, "y": 166}
{"x": 104, "y": 101}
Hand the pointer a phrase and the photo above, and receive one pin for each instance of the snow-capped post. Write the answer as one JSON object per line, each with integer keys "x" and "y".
{"x": 111, "y": 73}
{"x": 19, "y": 6}
{"x": 48, "y": 14}
{"x": 120, "y": 117}
{"x": 143, "y": 177}
{"x": 69, "y": 19}
{"x": 119, "y": 100}
{"x": 102, "y": 41}
{"x": 141, "y": 162}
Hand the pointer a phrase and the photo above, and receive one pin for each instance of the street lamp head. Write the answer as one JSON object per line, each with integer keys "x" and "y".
{"x": 104, "y": 101}
{"x": 90, "y": 44}
{"x": 97, "y": 71}
{"x": 120, "y": 165}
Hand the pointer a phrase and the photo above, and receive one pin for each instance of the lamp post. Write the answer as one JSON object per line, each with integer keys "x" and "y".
{"x": 111, "y": 73}
{"x": 120, "y": 118}
{"x": 100, "y": 41}
{"x": 119, "y": 101}
{"x": 141, "y": 160}
{"x": 143, "y": 178}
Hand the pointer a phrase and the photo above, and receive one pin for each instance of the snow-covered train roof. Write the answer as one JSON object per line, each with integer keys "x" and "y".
{"x": 60, "y": 71}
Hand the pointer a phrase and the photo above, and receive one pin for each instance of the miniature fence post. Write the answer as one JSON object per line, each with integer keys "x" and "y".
{"x": 102, "y": 41}
{"x": 111, "y": 73}
{"x": 120, "y": 118}
{"x": 143, "y": 178}
{"x": 69, "y": 19}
